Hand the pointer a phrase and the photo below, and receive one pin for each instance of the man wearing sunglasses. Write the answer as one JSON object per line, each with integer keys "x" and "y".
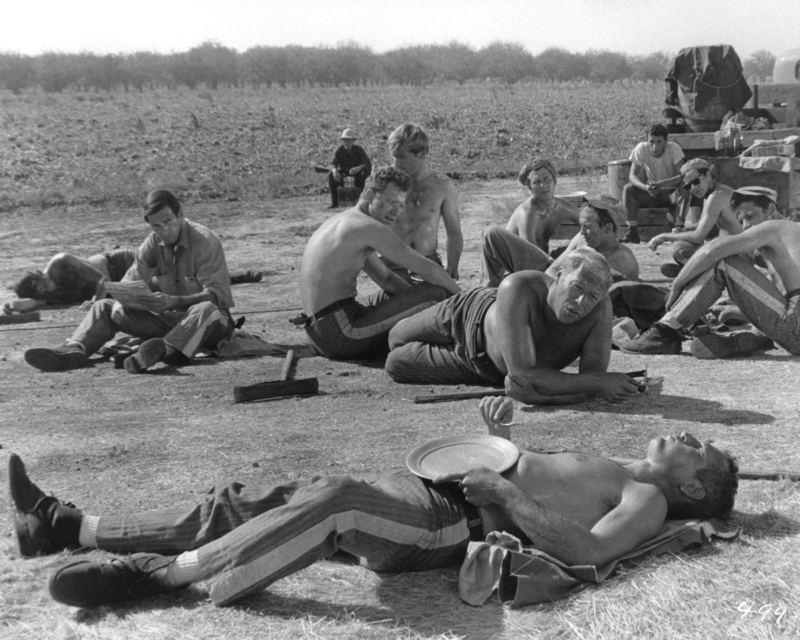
{"x": 717, "y": 218}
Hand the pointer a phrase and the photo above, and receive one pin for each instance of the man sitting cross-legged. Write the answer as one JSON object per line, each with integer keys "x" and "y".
{"x": 504, "y": 252}
{"x": 338, "y": 326}
{"x": 520, "y": 336}
{"x": 186, "y": 262}
{"x": 579, "y": 508}
{"x": 726, "y": 263}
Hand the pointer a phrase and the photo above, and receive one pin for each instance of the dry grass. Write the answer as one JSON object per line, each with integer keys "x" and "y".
{"x": 112, "y": 442}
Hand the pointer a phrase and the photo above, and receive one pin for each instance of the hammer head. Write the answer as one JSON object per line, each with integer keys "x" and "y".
{"x": 275, "y": 389}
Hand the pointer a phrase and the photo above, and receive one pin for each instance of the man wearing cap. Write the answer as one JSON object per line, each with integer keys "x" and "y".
{"x": 653, "y": 178}
{"x": 432, "y": 198}
{"x": 519, "y": 336}
{"x": 184, "y": 263}
{"x": 349, "y": 160}
{"x": 716, "y": 217}
{"x": 599, "y": 218}
{"x": 337, "y": 325}
{"x": 726, "y": 263}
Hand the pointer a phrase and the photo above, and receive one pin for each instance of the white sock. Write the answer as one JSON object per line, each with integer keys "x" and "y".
{"x": 185, "y": 570}
{"x": 87, "y": 537}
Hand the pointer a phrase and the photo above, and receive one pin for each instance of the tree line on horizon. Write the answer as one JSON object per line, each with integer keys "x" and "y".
{"x": 350, "y": 64}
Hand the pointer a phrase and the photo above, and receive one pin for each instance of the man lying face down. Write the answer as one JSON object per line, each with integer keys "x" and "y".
{"x": 520, "y": 336}
{"x": 579, "y": 508}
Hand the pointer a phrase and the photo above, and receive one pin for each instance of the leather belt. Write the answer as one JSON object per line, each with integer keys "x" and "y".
{"x": 304, "y": 320}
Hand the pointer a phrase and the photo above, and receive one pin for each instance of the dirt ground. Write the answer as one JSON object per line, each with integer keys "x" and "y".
{"x": 108, "y": 440}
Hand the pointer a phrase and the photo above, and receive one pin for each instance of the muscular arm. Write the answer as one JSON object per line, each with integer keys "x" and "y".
{"x": 637, "y": 518}
{"x": 533, "y": 384}
{"x": 452, "y": 227}
{"x": 83, "y": 269}
{"x": 383, "y": 276}
{"x": 383, "y": 240}
{"x": 709, "y": 217}
{"x": 638, "y": 176}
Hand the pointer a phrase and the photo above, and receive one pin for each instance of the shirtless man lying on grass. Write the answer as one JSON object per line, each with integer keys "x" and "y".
{"x": 338, "y": 326}
{"x": 520, "y": 336}
{"x": 578, "y": 508}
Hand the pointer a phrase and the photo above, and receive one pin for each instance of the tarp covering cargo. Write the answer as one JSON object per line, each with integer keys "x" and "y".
{"x": 704, "y": 83}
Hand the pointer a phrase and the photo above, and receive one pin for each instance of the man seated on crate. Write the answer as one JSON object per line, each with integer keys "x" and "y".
{"x": 529, "y": 229}
{"x": 772, "y": 305}
{"x": 519, "y": 335}
{"x": 716, "y": 218}
{"x": 349, "y": 161}
{"x": 432, "y": 198}
{"x": 581, "y": 509}
{"x": 599, "y": 220}
{"x": 339, "y": 327}
{"x": 68, "y": 278}
{"x": 190, "y": 309}
{"x": 653, "y": 179}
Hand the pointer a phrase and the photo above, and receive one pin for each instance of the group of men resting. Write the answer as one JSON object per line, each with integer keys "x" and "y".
{"x": 537, "y": 316}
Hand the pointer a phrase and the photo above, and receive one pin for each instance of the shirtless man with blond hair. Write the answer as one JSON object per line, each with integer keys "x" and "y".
{"x": 578, "y": 508}
{"x": 338, "y": 326}
{"x": 771, "y": 304}
{"x": 431, "y": 198}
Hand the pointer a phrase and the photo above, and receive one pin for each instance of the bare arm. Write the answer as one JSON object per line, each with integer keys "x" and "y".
{"x": 383, "y": 276}
{"x": 389, "y": 245}
{"x": 452, "y": 227}
{"x": 720, "y": 248}
{"x": 637, "y": 518}
{"x": 638, "y": 176}
{"x": 709, "y": 217}
{"x": 534, "y": 384}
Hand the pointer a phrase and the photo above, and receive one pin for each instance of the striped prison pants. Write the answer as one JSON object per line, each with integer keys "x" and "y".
{"x": 773, "y": 313}
{"x": 250, "y": 536}
{"x": 356, "y": 330}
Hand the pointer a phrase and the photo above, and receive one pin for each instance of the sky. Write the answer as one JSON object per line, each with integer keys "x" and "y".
{"x": 630, "y": 26}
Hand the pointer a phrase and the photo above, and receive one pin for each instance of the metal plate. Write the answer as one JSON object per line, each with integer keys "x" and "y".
{"x": 459, "y": 454}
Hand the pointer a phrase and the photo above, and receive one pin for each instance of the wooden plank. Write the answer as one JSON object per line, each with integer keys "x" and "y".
{"x": 705, "y": 141}
{"x": 728, "y": 172}
{"x": 19, "y": 318}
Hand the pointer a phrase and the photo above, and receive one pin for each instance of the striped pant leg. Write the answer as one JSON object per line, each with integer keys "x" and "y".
{"x": 358, "y": 331}
{"x": 179, "y": 529}
{"x": 695, "y": 301}
{"x": 505, "y": 252}
{"x": 203, "y": 324}
{"x": 763, "y": 304}
{"x": 396, "y": 524}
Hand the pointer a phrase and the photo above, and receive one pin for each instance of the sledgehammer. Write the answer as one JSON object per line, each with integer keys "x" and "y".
{"x": 277, "y": 388}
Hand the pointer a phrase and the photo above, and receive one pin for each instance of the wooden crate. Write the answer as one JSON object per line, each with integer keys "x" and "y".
{"x": 697, "y": 145}
{"x": 728, "y": 172}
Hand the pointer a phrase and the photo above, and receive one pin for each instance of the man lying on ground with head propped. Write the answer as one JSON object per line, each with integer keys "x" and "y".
{"x": 579, "y": 508}
{"x": 520, "y": 336}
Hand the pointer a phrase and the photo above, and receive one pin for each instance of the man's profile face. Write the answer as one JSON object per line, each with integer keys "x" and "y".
{"x": 657, "y": 144}
{"x": 166, "y": 225}
{"x": 573, "y": 296}
{"x": 700, "y": 184}
{"x": 681, "y": 457}
{"x": 348, "y": 143}
{"x": 387, "y": 205}
{"x": 592, "y": 231}
{"x": 750, "y": 214}
{"x": 408, "y": 162}
{"x": 542, "y": 184}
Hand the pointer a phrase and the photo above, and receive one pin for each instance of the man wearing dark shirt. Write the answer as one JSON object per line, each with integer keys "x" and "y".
{"x": 350, "y": 160}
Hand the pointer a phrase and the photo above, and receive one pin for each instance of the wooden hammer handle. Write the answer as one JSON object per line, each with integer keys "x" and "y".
{"x": 287, "y": 365}
{"x": 466, "y": 395}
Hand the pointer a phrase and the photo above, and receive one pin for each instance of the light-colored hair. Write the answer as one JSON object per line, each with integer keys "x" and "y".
{"x": 409, "y": 137}
{"x": 589, "y": 265}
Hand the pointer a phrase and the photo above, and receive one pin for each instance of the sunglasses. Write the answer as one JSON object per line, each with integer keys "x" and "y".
{"x": 695, "y": 182}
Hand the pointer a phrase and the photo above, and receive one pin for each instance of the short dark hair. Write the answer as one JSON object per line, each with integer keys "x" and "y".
{"x": 28, "y": 287}
{"x": 384, "y": 176}
{"x": 659, "y": 130}
{"x": 158, "y": 199}
{"x": 760, "y": 201}
{"x": 720, "y": 484}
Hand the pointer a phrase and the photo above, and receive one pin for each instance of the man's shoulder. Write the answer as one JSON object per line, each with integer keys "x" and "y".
{"x": 523, "y": 283}
{"x": 195, "y": 228}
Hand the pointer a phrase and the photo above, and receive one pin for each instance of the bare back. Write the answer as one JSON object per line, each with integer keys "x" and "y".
{"x": 782, "y": 250}
{"x": 334, "y": 256}
{"x": 537, "y": 222}
{"x": 418, "y": 227}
